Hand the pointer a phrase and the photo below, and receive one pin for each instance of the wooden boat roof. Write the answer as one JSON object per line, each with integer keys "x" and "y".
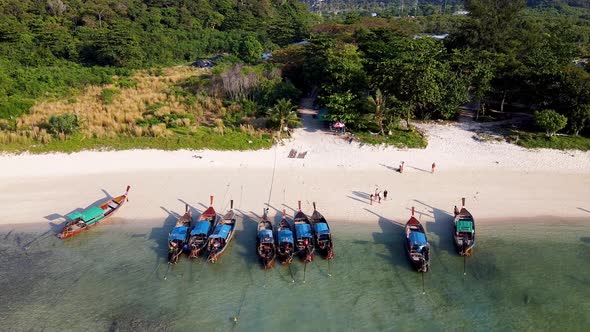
{"x": 303, "y": 230}
{"x": 221, "y": 231}
{"x": 91, "y": 213}
{"x": 201, "y": 227}
{"x": 178, "y": 233}
{"x": 321, "y": 228}
{"x": 265, "y": 235}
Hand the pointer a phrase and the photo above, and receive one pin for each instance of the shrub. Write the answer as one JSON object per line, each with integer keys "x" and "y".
{"x": 14, "y": 106}
{"x": 107, "y": 95}
{"x": 126, "y": 83}
{"x": 63, "y": 124}
{"x": 550, "y": 121}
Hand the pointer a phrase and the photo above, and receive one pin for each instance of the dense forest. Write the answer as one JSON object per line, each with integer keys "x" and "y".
{"x": 103, "y": 70}
{"x": 371, "y": 72}
{"x": 50, "y": 46}
{"x": 418, "y": 6}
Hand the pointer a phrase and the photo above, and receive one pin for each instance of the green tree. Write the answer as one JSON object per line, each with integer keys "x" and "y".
{"x": 250, "y": 50}
{"x": 282, "y": 115}
{"x": 63, "y": 124}
{"x": 550, "y": 121}
{"x": 379, "y": 106}
{"x": 579, "y": 118}
{"x": 419, "y": 75}
{"x": 481, "y": 82}
{"x": 333, "y": 67}
{"x": 575, "y": 97}
{"x": 119, "y": 46}
{"x": 342, "y": 106}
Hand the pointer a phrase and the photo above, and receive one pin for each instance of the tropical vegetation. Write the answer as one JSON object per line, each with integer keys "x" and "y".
{"x": 77, "y": 74}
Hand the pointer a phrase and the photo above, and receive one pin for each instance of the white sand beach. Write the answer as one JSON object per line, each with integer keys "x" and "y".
{"x": 499, "y": 180}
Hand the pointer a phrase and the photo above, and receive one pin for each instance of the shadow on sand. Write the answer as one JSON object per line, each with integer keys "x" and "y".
{"x": 159, "y": 235}
{"x": 361, "y": 196}
{"x": 392, "y": 232}
{"x": 419, "y": 169}
{"x": 246, "y": 237}
{"x": 442, "y": 227}
{"x": 196, "y": 212}
{"x": 391, "y": 168}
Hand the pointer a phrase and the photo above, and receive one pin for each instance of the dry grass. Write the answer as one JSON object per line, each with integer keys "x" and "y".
{"x": 119, "y": 116}
{"x": 152, "y": 112}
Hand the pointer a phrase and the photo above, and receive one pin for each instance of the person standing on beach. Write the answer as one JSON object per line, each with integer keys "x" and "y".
{"x": 385, "y": 194}
{"x": 456, "y": 211}
{"x": 371, "y": 198}
{"x": 433, "y": 166}
{"x": 377, "y": 195}
{"x": 401, "y": 167}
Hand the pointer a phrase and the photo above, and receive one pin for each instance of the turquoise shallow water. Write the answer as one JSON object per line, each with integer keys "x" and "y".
{"x": 529, "y": 276}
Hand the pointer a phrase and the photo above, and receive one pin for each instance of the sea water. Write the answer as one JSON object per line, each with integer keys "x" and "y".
{"x": 523, "y": 276}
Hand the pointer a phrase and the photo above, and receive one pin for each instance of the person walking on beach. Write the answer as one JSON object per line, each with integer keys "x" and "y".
{"x": 371, "y": 197}
{"x": 385, "y": 194}
{"x": 433, "y": 166}
{"x": 401, "y": 167}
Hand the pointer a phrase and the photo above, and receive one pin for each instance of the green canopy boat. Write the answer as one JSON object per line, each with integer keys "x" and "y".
{"x": 81, "y": 221}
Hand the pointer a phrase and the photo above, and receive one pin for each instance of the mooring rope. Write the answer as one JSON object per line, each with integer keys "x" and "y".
{"x": 272, "y": 179}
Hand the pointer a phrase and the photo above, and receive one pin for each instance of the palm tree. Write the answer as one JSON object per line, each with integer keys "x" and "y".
{"x": 283, "y": 115}
{"x": 379, "y": 105}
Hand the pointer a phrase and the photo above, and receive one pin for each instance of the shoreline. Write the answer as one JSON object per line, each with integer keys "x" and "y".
{"x": 498, "y": 180}
{"x": 341, "y": 194}
{"x": 337, "y": 226}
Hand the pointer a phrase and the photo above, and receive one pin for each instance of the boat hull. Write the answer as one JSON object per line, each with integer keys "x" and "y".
{"x": 464, "y": 239}
{"x": 461, "y": 250}
{"x": 120, "y": 200}
{"x": 213, "y": 258}
{"x": 416, "y": 245}
{"x": 285, "y": 259}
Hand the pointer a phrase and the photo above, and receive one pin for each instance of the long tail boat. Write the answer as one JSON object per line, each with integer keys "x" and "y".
{"x": 285, "y": 243}
{"x": 177, "y": 239}
{"x": 464, "y": 231}
{"x": 200, "y": 233}
{"x": 222, "y": 235}
{"x": 92, "y": 216}
{"x": 265, "y": 243}
{"x": 417, "y": 245}
{"x": 303, "y": 236}
{"x": 323, "y": 237}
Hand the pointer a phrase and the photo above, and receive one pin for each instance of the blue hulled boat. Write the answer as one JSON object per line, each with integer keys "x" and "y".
{"x": 178, "y": 237}
{"x": 201, "y": 231}
{"x": 265, "y": 243}
{"x": 222, "y": 235}
{"x": 323, "y": 236}
{"x": 285, "y": 242}
{"x": 303, "y": 236}
{"x": 417, "y": 246}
